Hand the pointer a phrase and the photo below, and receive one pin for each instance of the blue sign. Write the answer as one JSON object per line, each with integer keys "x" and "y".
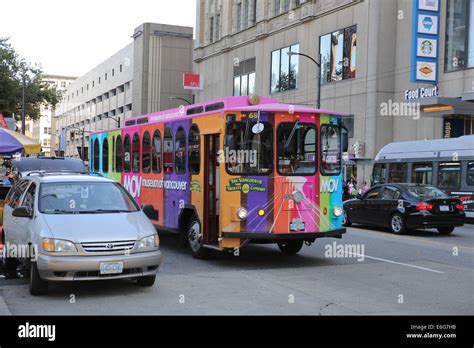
{"x": 425, "y": 37}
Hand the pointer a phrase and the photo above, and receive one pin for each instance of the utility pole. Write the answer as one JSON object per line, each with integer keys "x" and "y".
{"x": 23, "y": 113}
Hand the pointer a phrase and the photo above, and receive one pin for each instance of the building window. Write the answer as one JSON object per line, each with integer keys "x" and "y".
{"x": 211, "y": 30}
{"x": 180, "y": 153}
{"x": 156, "y": 160}
{"x": 277, "y": 7}
{"x": 244, "y": 78}
{"x": 246, "y": 13}
{"x": 105, "y": 156}
{"x": 46, "y": 142}
{"x": 121, "y": 68}
{"x": 146, "y": 152}
{"x": 285, "y": 69}
{"x": 126, "y": 154}
{"x": 47, "y": 130}
{"x": 120, "y": 88}
{"x": 118, "y": 154}
{"x": 63, "y": 84}
{"x": 168, "y": 151}
{"x": 194, "y": 150}
{"x": 99, "y": 80}
{"x": 218, "y": 26}
{"x": 349, "y": 124}
{"x": 105, "y": 76}
{"x": 113, "y": 72}
{"x": 338, "y": 55}
{"x": 459, "y": 35}
{"x": 136, "y": 153}
{"x": 239, "y": 17}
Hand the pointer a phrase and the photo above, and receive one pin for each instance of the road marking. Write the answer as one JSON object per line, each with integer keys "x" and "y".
{"x": 411, "y": 238}
{"x": 396, "y": 262}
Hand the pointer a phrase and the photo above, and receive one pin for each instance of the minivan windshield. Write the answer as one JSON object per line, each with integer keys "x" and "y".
{"x": 425, "y": 192}
{"x": 84, "y": 198}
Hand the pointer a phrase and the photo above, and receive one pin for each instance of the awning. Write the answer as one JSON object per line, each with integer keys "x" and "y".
{"x": 440, "y": 106}
{"x": 12, "y": 142}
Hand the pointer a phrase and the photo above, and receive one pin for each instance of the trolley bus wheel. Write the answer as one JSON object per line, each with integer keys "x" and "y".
{"x": 290, "y": 247}
{"x": 194, "y": 239}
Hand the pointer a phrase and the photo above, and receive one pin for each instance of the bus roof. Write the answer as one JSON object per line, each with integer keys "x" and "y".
{"x": 224, "y": 104}
{"x": 437, "y": 148}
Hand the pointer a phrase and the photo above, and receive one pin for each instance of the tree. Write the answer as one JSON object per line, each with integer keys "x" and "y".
{"x": 12, "y": 71}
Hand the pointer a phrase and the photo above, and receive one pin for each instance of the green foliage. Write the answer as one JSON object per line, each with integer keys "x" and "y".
{"x": 12, "y": 71}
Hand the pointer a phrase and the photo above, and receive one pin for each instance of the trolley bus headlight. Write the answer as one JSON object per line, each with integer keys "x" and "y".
{"x": 242, "y": 213}
{"x": 337, "y": 211}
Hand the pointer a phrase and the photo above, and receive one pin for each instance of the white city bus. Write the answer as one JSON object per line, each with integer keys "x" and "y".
{"x": 444, "y": 163}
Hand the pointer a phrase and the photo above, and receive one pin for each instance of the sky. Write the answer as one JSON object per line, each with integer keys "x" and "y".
{"x": 71, "y": 37}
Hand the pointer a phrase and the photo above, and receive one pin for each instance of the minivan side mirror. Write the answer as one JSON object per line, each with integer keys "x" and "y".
{"x": 150, "y": 212}
{"x": 22, "y": 212}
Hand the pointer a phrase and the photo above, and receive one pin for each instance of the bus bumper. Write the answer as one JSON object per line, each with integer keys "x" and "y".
{"x": 276, "y": 237}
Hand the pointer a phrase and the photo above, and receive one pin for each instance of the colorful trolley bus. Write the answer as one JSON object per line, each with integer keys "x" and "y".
{"x": 233, "y": 171}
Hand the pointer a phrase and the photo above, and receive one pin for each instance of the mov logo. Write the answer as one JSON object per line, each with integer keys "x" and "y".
{"x": 329, "y": 185}
{"x": 133, "y": 185}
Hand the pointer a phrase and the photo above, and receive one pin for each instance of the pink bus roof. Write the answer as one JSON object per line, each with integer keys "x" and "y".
{"x": 230, "y": 104}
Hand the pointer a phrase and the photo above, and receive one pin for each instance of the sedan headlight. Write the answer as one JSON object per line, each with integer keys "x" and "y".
{"x": 337, "y": 211}
{"x": 149, "y": 243}
{"x": 58, "y": 246}
{"x": 242, "y": 213}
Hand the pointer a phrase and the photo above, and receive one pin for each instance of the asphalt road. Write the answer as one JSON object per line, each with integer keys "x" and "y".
{"x": 424, "y": 273}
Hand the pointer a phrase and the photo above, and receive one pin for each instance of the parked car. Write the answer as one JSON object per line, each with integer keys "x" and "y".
{"x": 26, "y": 165}
{"x": 83, "y": 228}
{"x": 403, "y": 207}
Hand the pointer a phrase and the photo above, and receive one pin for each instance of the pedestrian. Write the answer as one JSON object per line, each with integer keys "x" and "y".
{"x": 365, "y": 188}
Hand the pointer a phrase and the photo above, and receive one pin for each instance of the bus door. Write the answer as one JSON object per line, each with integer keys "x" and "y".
{"x": 211, "y": 189}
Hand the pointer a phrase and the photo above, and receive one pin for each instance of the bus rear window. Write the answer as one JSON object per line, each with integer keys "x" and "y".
{"x": 330, "y": 150}
{"x": 247, "y": 152}
{"x": 296, "y": 148}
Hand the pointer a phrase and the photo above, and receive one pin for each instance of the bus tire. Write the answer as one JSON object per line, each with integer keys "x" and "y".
{"x": 290, "y": 247}
{"x": 38, "y": 286}
{"x": 397, "y": 224}
{"x": 194, "y": 238}
{"x": 345, "y": 219}
{"x": 445, "y": 230}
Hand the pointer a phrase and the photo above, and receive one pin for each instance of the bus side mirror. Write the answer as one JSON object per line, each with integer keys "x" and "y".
{"x": 345, "y": 141}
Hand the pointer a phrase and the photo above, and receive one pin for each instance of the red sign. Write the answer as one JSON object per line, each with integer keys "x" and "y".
{"x": 3, "y": 123}
{"x": 192, "y": 81}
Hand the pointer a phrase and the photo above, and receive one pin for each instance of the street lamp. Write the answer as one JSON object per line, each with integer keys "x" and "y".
{"x": 318, "y": 101}
{"x": 178, "y": 98}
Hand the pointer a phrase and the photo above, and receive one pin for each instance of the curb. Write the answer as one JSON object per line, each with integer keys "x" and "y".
{"x": 3, "y": 308}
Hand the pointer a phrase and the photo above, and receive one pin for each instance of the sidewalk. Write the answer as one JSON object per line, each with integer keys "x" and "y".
{"x": 3, "y": 308}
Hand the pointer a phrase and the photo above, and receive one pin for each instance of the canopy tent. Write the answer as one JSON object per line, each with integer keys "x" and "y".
{"x": 12, "y": 142}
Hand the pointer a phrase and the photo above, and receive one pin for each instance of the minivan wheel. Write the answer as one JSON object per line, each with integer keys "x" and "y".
{"x": 445, "y": 230}
{"x": 38, "y": 286}
{"x": 397, "y": 224}
{"x": 290, "y": 247}
{"x": 146, "y": 280}
{"x": 194, "y": 239}
{"x": 345, "y": 219}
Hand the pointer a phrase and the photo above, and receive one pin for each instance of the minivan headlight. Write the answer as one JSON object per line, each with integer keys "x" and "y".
{"x": 150, "y": 242}
{"x": 58, "y": 246}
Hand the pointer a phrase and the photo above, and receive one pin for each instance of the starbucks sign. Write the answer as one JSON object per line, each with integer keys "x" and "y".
{"x": 426, "y": 48}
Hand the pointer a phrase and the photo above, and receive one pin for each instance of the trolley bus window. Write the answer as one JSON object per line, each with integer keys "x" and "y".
{"x": 379, "y": 173}
{"x": 296, "y": 148}
{"x": 105, "y": 156}
{"x": 180, "y": 154}
{"x": 330, "y": 150}
{"x": 397, "y": 172}
{"x": 95, "y": 163}
{"x": 168, "y": 151}
{"x": 156, "y": 163}
{"x": 422, "y": 173}
{"x": 194, "y": 154}
{"x": 449, "y": 175}
{"x": 146, "y": 152}
{"x": 136, "y": 153}
{"x": 118, "y": 155}
{"x": 126, "y": 154}
{"x": 248, "y": 153}
{"x": 470, "y": 173}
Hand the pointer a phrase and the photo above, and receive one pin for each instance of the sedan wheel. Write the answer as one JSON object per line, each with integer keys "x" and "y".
{"x": 397, "y": 224}
{"x": 345, "y": 219}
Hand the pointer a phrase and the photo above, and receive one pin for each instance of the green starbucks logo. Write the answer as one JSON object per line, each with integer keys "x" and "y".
{"x": 426, "y": 47}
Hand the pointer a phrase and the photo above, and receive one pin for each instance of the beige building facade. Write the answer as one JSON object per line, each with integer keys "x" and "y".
{"x": 365, "y": 48}
{"x": 138, "y": 79}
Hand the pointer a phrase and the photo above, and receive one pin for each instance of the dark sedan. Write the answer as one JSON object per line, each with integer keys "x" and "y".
{"x": 403, "y": 207}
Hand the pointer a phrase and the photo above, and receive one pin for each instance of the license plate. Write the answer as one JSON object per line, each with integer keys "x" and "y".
{"x": 444, "y": 208}
{"x": 111, "y": 267}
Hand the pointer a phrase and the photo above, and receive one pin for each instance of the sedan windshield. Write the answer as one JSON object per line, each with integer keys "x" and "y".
{"x": 425, "y": 192}
{"x": 28, "y": 165}
{"x": 84, "y": 198}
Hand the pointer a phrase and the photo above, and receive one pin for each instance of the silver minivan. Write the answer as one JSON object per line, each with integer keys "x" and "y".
{"x": 75, "y": 227}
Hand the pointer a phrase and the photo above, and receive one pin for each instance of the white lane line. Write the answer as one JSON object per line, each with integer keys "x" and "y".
{"x": 397, "y": 263}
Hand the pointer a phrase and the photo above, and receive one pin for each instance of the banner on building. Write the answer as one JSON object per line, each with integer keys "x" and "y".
{"x": 425, "y": 38}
